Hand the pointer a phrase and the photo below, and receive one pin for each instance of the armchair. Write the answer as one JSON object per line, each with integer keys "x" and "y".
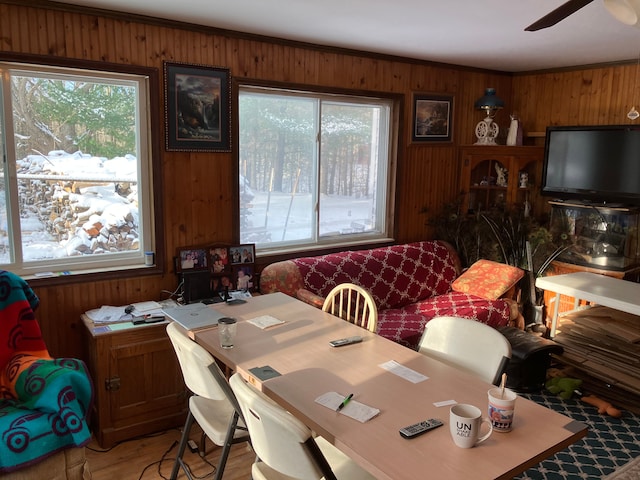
{"x": 44, "y": 402}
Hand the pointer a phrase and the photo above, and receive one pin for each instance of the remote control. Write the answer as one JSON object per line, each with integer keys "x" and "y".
{"x": 345, "y": 341}
{"x": 419, "y": 428}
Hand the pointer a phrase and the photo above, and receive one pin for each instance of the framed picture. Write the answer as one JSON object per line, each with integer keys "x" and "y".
{"x": 219, "y": 259}
{"x": 192, "y": 259}
{"x": 243, "y": 277}
{"x": 197, "y": 108}
{"x": 432, "y": 118}
{"x": 242, "y": 253}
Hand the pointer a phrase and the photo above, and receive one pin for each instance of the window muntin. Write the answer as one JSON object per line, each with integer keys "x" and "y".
{"x": 314, "y": 169}
{"x": 77, "y": 184}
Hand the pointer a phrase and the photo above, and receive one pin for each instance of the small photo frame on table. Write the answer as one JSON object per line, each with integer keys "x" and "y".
{"x": 219, "y": 259}
{"x": 197, "y": 108}
{"x": 242, "y": 253}
{"x": 190, "y": 259}
{"x": 432, "y": 118}
{"x": 243, "y": 276}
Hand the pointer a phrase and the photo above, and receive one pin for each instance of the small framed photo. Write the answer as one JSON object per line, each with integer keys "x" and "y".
{"x": 192, "y": 259}
{"x": 243, "y": 277}
{"x": 197, "y": 108}
{"x": 222, "y": 283}
{"x": 219, "y": 259}
{"x": 242, "y": 253}
{"x": 432, "y": 118}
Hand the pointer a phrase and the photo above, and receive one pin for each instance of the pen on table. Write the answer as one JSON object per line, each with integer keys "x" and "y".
{"x": 344, "y": 402}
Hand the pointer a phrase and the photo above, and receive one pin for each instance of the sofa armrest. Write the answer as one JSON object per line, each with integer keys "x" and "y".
{"x": 282, "y": 277}
{"x": 310, "y": 297}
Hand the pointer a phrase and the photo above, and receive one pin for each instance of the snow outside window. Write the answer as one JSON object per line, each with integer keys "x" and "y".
{"x": 75, "y": 186}
{"x": 314, "y": 169}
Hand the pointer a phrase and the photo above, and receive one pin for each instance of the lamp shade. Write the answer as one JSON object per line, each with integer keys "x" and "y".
{"x": 625, "y": 11}
{"x": 489, "y": 101}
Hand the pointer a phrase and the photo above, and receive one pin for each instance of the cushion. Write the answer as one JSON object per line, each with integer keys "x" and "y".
{"x": 488, "y": 279}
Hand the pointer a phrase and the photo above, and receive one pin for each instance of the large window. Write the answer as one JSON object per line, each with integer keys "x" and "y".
{"x": 75, "y": 184}
{"x": 314, "y": 169}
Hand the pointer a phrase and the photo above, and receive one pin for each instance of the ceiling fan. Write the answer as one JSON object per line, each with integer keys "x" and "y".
{"x": 626, "y": 11}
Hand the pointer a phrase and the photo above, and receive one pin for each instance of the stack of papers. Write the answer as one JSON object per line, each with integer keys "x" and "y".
{"x": 356, "y": 410}
{"x": 110, "y": 314}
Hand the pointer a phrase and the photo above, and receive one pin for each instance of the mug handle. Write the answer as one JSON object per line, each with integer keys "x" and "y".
{"x": 486, "y": 435}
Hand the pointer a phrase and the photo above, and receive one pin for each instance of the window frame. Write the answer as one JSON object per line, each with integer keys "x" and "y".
{"x": 152, "y": 168}
{"x": 330, "y": 243}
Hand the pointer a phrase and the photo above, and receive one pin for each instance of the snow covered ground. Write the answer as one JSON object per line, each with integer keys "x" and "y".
{"x": 74, "y": 204}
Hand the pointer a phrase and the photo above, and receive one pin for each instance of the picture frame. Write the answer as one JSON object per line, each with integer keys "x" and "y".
{"x": 219, "y": 259}
{"x": 245, "y": 253}
{"x": 190, "y": 259}
{"x": 243, "y": 277}
{"x": 197, "y": 108}
{"x": 432, "y": 118}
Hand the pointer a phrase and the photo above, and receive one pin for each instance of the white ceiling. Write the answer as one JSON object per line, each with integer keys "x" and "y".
{"x": 477, "y": 33}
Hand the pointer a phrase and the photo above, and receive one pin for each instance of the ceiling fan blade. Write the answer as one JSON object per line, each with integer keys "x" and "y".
{"x": 559, "y": 14}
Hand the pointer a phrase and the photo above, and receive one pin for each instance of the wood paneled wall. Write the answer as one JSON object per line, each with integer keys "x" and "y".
{"x": 197, "y": 187}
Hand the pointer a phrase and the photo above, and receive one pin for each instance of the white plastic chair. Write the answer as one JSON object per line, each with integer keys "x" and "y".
{"x": 467, "y": 344}
{"x": 212, "y": 404}
{"x": 353, "y": 304}
{"x": 285, "y": 447}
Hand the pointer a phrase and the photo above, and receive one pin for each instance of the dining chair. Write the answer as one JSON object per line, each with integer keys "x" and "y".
{"x": 212, "y": 403}
{"x": 467, "y": 344}
{"x": 354, "y": 304}
{"x": 284, "y": 446}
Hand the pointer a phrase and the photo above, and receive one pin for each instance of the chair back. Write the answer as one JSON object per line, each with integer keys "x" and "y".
{"x": 467, "y": 344}
{"x": 201, "y": 373}
{"x": 279, "y": 439}
{"x": 354, "y": 304}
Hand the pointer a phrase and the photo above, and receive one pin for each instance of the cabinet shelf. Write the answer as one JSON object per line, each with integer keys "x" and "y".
{"x": 480, "y": 167}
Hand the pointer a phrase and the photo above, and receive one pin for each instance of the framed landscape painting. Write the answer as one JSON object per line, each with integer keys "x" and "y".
{"x": 197, "y": 108}
{"x": 432, "y": 118}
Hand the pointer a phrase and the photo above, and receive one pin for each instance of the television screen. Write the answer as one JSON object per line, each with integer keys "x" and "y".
{"x": 593, "y": 163}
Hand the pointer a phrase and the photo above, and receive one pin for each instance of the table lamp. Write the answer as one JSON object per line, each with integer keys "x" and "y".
{"x": 487, "y": 130}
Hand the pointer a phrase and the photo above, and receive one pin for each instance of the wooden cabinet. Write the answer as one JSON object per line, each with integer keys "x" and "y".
{"x": 481, "y": 187}
{"x": 137, "y": 380}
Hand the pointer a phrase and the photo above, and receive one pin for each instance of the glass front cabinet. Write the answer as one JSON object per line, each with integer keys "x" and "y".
{"x": 502, "y": 177}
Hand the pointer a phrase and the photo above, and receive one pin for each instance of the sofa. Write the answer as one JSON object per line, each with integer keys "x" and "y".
{"x": 410, "y": 283}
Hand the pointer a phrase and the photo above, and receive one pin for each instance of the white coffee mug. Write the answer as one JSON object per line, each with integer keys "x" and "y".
{"x": 465, "y": 423}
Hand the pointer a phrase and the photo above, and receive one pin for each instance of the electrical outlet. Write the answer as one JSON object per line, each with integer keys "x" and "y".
{"x": 193, "y": 446}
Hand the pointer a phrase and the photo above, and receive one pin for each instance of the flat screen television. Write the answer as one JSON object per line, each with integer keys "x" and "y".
{"x": 593, "y": 164}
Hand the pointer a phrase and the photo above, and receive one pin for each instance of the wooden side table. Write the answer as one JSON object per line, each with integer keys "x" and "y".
{"x": 137, "y": 380}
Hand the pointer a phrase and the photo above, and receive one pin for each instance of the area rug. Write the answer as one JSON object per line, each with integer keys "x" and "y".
{"x": 611, "y": 447}
{"x": 631, "y": 471}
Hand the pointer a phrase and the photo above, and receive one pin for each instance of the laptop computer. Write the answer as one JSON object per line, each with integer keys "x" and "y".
{"x": 194, "y": 316}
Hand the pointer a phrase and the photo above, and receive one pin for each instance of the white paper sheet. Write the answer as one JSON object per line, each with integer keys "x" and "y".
{"x": 354, "y": 409}
{"x": 402, "y": 371}
{"x": 265, "y": 321}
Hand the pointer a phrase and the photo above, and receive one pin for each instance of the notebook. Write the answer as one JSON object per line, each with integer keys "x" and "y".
{"x": 194, "y": 316}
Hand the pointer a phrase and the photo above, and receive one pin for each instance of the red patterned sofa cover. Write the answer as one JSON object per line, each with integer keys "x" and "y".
{"x": 411, "y": 284}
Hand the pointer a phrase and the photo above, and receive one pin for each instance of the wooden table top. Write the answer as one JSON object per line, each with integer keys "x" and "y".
{"x": 300, "y": 351}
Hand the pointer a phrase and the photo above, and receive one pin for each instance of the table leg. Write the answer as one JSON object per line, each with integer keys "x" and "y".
{"x": 554, "y": 317}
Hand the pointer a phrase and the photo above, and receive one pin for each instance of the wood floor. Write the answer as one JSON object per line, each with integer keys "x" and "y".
{"x": 152, "y": 458}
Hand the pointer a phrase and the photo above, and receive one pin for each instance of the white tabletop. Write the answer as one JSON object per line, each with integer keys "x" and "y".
{"x": 610, "y": 292}
{"x": 300, "y": 351}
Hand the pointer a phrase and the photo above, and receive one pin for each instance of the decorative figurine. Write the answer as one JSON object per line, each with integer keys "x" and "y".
{"x": 502, "y": 176}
